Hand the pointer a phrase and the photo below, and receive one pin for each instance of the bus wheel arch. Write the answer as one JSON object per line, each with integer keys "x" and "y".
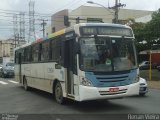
{"x": 58, "y": 92}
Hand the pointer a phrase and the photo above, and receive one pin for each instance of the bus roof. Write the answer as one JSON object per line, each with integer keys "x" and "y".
{"x": 60, "y": 32}
{"x": 25, "y": 45}
{"x": 103, "y": 24}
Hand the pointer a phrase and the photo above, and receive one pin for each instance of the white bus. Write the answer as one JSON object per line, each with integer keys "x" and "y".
{"x": 87, "y": 61}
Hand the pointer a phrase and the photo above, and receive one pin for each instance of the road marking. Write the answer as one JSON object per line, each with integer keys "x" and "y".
{"x": 13, "y": 81}
{"x": 4, "y": 83}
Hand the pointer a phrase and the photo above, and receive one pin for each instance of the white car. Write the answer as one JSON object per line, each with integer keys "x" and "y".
{"x": 143, "y": 87}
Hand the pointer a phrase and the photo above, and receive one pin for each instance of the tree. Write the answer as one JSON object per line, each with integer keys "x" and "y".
{"x": 149, "y": 32}
{"x": 153, "y": 30}
{"x": 139, "y": 32}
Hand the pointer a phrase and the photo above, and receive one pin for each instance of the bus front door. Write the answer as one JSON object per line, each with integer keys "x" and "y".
{"x": 68, "y": 62}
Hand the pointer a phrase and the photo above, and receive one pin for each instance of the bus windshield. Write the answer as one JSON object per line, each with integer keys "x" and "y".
{"x": 107, "y": 54}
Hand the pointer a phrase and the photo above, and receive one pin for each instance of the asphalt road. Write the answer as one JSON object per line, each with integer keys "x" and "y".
{"x": 14, "y": 99}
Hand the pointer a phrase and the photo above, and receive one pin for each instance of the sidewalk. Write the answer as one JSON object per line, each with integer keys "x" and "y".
{"x": 153, "y": 84}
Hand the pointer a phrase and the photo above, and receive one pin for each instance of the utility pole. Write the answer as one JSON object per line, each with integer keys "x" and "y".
{"x": 116, "y": 12}
{"x": 116, "y": 9}
{"x": 43, "y": 24}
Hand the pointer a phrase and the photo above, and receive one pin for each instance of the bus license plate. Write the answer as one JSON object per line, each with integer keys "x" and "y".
{"x": 113, "y": 89}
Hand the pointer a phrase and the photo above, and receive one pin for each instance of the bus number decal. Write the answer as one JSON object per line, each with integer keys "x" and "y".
{"x": 50, "y": 70}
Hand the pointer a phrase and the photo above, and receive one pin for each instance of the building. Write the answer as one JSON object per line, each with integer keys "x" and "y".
{"x": 57, "y": 20}
{"x": 94, "y": 13}
{"x": 145, "y": 56}
{"x": 7, "y": 48}
{"x": 144, "y": 19}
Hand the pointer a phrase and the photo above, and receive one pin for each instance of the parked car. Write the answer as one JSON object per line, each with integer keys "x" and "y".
{"x": 8, "y": 70}
{"x": 143, "y": 87}
{"x": 146, "y": 65}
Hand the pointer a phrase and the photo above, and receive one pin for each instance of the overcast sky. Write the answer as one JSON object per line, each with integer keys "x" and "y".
{"x": 51, "y": 6}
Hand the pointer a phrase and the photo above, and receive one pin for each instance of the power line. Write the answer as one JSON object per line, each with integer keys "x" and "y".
{"x": 58, "y": 9}
{"x": 26, "y": 13}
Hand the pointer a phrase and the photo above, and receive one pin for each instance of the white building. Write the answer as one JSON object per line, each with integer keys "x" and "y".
{"x": 85, "y": 12}
{"x": 144, "y": 19}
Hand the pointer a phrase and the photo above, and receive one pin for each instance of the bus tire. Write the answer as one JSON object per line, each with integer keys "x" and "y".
{"x": 25, "y": 85}
{"x": 58, "y": 93}
{"x": 142, "y": 94}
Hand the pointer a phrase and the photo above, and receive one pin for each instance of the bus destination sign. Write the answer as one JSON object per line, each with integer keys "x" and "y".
{"x": 115, "y": 31}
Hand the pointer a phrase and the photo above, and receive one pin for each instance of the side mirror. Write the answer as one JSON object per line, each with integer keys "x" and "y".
{"x": 58, "y": 66}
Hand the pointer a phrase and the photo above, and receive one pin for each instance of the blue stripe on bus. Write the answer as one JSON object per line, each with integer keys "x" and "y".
{"x": 111, "y": 80}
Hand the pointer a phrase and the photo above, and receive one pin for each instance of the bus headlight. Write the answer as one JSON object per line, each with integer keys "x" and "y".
{"x": 86, "y": 82}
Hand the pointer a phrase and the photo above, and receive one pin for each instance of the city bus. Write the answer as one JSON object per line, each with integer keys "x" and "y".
{"x": 88, "y": 61}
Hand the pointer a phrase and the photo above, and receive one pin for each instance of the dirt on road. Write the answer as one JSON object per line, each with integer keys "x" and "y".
{"x": 153, "y": 84}
{"x": 155, "y": 78}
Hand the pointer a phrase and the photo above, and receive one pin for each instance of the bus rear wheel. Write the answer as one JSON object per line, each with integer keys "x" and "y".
{"x": 59, "y": 93}
{"x": 25, "y": 85}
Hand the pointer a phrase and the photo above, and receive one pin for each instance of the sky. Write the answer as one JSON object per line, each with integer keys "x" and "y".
{"x": 49, "y": 7}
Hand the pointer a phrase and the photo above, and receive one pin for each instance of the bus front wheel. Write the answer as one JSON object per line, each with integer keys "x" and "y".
{"x": 59, "y": 93}
{"x": 25, "y": 85}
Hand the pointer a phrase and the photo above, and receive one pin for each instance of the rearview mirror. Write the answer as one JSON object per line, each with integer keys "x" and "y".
{"x": 58, "y": 66}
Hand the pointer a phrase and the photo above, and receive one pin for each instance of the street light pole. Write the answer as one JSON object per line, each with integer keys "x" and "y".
{"x": 115, "y": 8}
{"x": 116, "y": 12}
{"x": 91, "y": 2}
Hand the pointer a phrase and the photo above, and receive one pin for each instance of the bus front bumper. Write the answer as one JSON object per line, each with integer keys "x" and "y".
{"x": 95, "y": 93}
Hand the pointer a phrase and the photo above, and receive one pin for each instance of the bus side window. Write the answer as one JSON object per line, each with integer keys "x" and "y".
{"x": 31, "y": 54}
{"x": 35, "y": 53}
{"x": 50, "y": 50}
{"x": 40, "y": 53}
{"x": 27, "y": 55}
{"x": 45, "y": 51}
{"x": 56, "y": 49}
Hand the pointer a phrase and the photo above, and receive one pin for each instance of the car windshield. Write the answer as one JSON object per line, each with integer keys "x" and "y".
{"x": 107, "y": 54}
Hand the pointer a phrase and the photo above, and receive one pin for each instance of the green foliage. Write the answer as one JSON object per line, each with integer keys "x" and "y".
{"x": 149, "y": 32}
